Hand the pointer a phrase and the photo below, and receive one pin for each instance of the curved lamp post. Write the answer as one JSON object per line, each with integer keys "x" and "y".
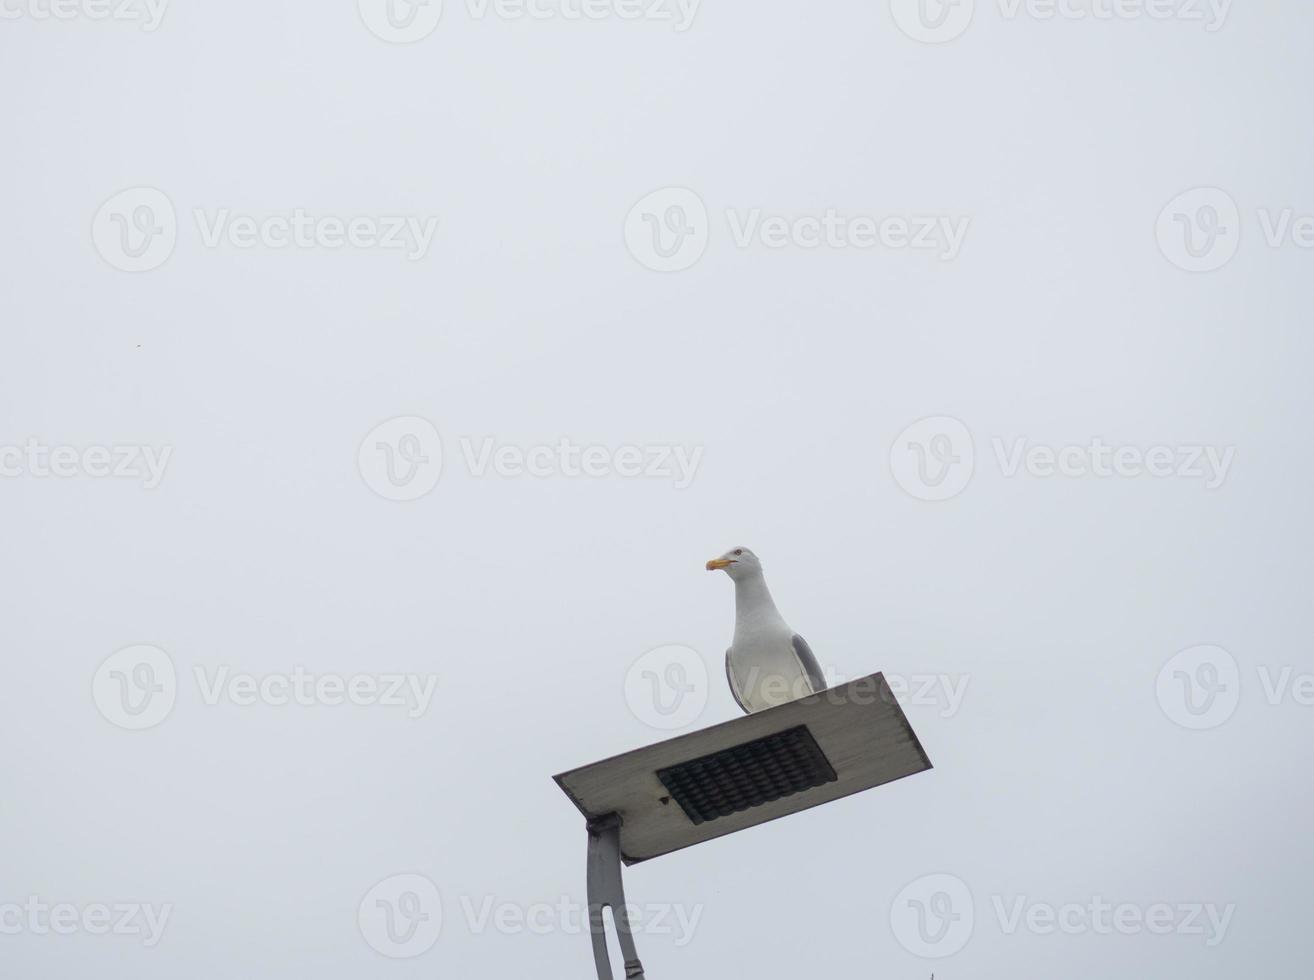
{"x": 730, "y": 777}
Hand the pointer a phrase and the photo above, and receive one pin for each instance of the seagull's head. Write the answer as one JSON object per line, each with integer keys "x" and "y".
{"x": 737, "y": 563}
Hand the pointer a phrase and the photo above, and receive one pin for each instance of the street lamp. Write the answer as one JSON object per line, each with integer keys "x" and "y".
{"x": 730, "y": 777}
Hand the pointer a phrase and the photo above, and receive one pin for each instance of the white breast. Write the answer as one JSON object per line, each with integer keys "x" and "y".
{"x": 765, "y": 670}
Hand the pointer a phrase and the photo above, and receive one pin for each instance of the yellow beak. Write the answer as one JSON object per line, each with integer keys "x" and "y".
{"x": 716, "y": 563}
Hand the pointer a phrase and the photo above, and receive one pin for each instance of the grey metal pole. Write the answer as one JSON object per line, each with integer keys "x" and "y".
{"x": 606, "y": 888}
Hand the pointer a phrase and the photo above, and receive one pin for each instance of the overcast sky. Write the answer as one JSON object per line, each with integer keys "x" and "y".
{"x": 373, "y": 388}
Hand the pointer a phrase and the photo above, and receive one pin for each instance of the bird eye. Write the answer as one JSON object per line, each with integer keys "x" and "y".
{"x": 739, "y": 551}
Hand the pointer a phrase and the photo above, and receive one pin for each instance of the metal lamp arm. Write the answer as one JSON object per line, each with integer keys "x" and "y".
{"x": 606, "y": 888}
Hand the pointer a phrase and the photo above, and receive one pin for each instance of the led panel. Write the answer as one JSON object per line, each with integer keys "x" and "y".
{"x": 748, "y": 775}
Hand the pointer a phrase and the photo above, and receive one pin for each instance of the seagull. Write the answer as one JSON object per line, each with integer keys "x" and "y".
{"x": 767, "y": 663}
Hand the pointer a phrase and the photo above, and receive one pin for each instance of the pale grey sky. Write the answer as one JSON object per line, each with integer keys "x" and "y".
{"x": 401, "y": 391}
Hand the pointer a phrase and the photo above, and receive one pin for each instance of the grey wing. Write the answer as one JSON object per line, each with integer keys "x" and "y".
{"x": 734, "y": 688}
{"x": 809, "y": 664}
